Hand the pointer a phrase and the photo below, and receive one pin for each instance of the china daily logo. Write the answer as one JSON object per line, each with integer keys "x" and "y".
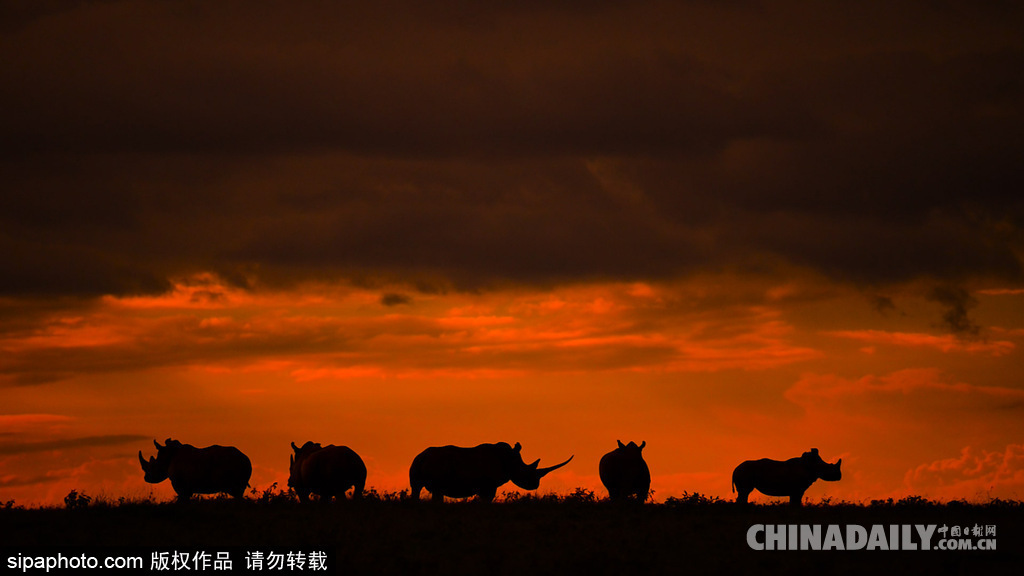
{"x": 874, "y": 537}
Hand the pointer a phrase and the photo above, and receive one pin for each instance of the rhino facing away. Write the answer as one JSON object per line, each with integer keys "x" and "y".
{"x": 459, "y": 472}
{"x": 789, "y": 478}
{"x": 327, "y": 471}
{"x": 625, "y": 473}
{"x": 211, "y": 470}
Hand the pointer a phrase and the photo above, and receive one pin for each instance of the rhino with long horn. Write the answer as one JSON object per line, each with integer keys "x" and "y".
{"x": 783, "y": 478}
{"x": 211, "y": 470}
{"x": 459, "y": 472}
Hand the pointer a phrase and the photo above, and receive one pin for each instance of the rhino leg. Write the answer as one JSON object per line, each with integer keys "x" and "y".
{"x": 437, "y": 497}
{"x": 742, "y": 492}
{"x": 415, "y": 492}
{"x": 488, "y": 495}
{"x": 796, "y": 499}
{"x": 357, "y": 490}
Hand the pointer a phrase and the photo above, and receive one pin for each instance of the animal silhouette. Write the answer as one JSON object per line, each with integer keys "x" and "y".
{"x": 783, "y": 478}
{"x": 211, "y": 470}
{"x": 327, "y": 471}
{"x": 459, "y": 472}
{"x": 625, "y": 473}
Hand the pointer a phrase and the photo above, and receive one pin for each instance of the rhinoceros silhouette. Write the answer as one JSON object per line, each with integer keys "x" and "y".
{"x": 624, "y": 472}
{"x": 211, "y": 470}
{"x": 327, "y": 471}
{"x": 783, "y": 478}
{"x": 459, "y": 472}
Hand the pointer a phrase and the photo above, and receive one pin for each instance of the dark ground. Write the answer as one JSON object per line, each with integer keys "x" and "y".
{"x": 563, "y": 535}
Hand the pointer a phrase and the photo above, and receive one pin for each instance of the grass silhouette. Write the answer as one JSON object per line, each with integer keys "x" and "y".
{"x": 579, "y": 532}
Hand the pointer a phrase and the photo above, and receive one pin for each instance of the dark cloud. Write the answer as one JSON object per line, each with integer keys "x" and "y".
{"x": 882, "y": 304}
{"x": 395, "y": 299}
{"x": 179, "y": 341}
{"x": 468, "y": 145}
{"x": 12, "y": 481}
{"x": 958, "y": 303}
{"x": 7, "y": 449}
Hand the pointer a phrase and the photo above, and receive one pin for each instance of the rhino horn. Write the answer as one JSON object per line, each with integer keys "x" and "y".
{"x": 839, "y": 463}
{"x": 294, "y": 447}
{"x": 541, "y": 472}
{"x": 621, "y": 445}
{"x": 142, "y": 461}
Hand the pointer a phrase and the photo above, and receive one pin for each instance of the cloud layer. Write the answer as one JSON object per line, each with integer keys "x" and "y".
{"x": 470, "y": 145}
{"x": 982, "y": 473}
{"x": 330, "y": 333}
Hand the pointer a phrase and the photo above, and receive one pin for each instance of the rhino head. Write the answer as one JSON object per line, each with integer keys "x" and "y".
{"x": 295, "y": 464}
{"x": 821, "y": 469}
{"x": 527, "y": 476}
{"x": 156, "y": 469}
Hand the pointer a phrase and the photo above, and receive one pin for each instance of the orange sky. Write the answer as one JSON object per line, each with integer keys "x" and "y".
{"x": 732, "y": 230}
{"x": 709, "y": 372}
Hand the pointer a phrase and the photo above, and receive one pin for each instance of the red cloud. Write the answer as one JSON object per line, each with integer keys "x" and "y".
{"x": 945, "y": 343}
{"x": 321, "y": 332}
{"x": 830, "y": 387}
{"x": 979, "y": 472}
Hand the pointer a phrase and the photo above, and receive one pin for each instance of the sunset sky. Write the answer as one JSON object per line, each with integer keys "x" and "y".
{"x": 732, "y": 230}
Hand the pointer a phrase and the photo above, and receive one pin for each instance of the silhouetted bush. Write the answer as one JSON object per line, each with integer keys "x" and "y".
{"x": 272, "y": 495}
{"x": 581, "y": 495}
{"x": 692, "y": 500}
{"x": 371, "y": 494}
{"x": 74, "y": 500}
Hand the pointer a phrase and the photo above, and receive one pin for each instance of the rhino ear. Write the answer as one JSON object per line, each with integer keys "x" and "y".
{"x": 643, "y": 444}
{"x": 621, "y": 445}
{"x": 839, "y": 463}
{"x": 518, "y": 447}
{"x": 157, "y": 444}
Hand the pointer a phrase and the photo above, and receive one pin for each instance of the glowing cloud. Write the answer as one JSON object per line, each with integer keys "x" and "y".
{"x": 977, "y": 473}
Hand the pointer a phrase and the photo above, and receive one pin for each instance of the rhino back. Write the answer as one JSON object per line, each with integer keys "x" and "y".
{"x": 333, "y": 470}
{"x": 773, "y": 477}
{"x": 459, "y": 472}
{"x": 210, "y": 470}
